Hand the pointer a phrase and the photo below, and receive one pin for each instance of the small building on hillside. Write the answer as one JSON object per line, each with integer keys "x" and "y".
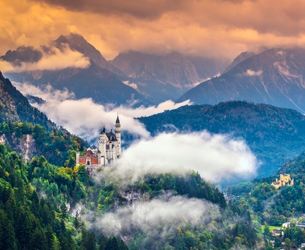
{"x": 108, "y": 151}
{"x": 284, "y": 180}
{"x": 277, "y": 233}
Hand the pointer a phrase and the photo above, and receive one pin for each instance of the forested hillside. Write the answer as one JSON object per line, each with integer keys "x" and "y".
{"x": 15, "y": 107}
{"x": 56, "y": 146}
{"x": 275, "y": 135}
{"x": 30, "y": 222}
{"x": 276, "y": 206}
{"x": 38, "y": 199}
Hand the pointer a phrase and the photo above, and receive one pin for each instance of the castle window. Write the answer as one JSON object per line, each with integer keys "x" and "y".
{"x": 88, "y": 163}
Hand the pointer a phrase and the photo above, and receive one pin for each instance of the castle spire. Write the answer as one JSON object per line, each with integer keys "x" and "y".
{"x": 103, "y": 131}
{"x": 117, "y": 119}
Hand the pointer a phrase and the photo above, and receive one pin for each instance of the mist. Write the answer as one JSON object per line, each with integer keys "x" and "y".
{"x": 54, "y": 60}
{"x": 157, "y": 218}
{"x": 214, "y": 157}
{"x": 86, "y": 118}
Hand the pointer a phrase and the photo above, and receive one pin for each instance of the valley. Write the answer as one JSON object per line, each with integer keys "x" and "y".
{"x": 189, "y": 138}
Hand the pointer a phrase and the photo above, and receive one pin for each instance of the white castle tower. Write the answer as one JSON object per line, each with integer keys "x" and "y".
{"x": 118, "y": 136}
{"x": 102, "y": 147}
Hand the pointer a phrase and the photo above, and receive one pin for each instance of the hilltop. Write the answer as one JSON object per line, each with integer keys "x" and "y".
{"x": 275, "y": 135}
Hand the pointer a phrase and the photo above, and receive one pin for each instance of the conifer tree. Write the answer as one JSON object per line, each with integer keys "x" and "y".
{"x": 102, "y": 242}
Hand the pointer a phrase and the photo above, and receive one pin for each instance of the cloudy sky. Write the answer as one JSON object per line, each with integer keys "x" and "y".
{"x": 202, "y": 27}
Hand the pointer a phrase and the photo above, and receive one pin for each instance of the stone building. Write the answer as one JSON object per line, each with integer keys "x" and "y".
{"x": 108, "y": 151}
{"x": 284, "y": 180}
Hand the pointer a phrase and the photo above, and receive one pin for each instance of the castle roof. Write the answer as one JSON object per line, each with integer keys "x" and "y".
{"x": 111, "y": 136}
{"x": 117, "y": 119}
{"x": 103, "y": 131}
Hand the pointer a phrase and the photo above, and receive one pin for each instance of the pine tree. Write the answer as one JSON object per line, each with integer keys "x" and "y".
{"x": 38, "y": 239}
{"x": 91, "y": 243}
{"x": 23, "y": 225}
{"x": 9, "y": 240}
{"x": 102, "y": 242}
{"x": 64, "y": 211}
{"x": 49, "y": 237}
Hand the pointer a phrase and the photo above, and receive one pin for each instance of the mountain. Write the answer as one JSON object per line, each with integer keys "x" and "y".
{"x": 15, "y": 107}
{"x": 93, "y": 82}
{"x": 165, "y": 77}
{"x": 274, "y": 76}
{"x": 245, "y": 55}
{"x": 97, "y": 81}
{"x": 275, "y": 135}
{"x": 172, "y": 68}
{"x": 208, "y": 67}
{"x": 78, "y": 43}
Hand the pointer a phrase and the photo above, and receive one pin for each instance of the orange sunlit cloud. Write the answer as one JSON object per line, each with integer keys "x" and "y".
{"x": 220, "y": 28}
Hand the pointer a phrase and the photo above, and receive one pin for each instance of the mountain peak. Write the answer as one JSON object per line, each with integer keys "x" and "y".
{"x": 274, "y": 76}
{"x": 79, "y": 43}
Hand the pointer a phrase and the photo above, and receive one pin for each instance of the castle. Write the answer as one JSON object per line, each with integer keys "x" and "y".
{"x": 285, "y": 180}
{"x": 109, "y": 149}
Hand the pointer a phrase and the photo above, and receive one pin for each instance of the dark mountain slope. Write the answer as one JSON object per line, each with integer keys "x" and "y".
{"x": 15, "y": 107}
{"x": 275, "y": 135}
{"x": 274, "y": 76}
{"x": 93, "y": 82}
{"x": 243, "y": 56}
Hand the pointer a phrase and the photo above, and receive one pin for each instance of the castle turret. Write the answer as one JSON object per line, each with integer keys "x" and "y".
{"x": 102, "y": 147}
{"x": 118, "y": 136}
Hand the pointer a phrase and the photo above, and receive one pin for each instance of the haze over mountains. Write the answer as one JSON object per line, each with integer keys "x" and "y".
{"x": 274, "y": 76}
{"x": 166, "y": 76}
{"x": 148, "y": 78}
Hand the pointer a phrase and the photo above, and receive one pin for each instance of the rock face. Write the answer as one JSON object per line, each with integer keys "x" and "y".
{"x": 78, "y": 43}
{"x": 274, "y": 76}
{"x": 172, "y": 68}
{"x": 24, "y": 146}
{"x": 167, "y": 76}
{"x": 7, "y": 104}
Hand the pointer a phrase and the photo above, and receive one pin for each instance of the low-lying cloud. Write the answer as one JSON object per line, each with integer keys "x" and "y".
{"x": 215, "y": 157}
{"x": 157, "y": 218}
{"x": 57, "y": 59}
{"x": 86, "y": 118}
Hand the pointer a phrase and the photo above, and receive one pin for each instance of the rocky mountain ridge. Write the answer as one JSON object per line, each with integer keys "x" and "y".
{"x": 274, "y": 76}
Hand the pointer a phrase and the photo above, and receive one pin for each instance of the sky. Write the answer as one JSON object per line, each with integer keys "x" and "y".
{"x": 210, "y": 28}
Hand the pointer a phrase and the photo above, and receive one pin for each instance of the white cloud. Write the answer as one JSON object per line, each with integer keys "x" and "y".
{"x": 169, "y": 212}
{"x": 54, "y": 61}
{"x": 215, "y": 157}
{"x": 133, "y": 85}
{"x": 250, "y": 72}
{"x": 85, "y": 118}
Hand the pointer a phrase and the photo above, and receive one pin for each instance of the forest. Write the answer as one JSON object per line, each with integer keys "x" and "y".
{"x": 41, "y": 199}
{"x": 58, "y": 197}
